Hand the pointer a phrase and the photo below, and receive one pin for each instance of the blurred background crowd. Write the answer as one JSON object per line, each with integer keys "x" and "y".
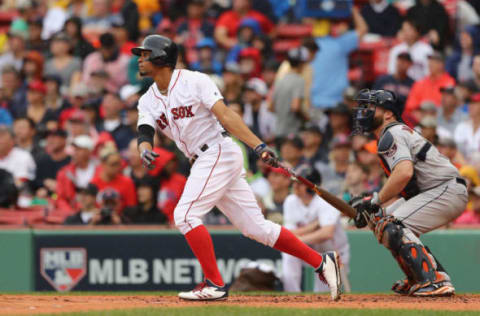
{"x": 69, "y": 87}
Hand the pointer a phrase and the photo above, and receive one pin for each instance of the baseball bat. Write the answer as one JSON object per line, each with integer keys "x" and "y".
{"x": 339, "y": 204}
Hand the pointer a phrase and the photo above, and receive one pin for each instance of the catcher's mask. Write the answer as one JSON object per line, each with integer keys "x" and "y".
{"x": 368, "y": 100}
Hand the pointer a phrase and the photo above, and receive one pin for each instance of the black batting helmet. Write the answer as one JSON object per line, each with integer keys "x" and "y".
{"x": 163, "y": 50}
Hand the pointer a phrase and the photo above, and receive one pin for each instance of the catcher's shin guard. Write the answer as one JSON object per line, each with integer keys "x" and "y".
{"x": 414, "y": 259}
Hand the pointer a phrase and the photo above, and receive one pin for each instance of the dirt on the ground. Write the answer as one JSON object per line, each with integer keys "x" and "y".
{"x": 38, "y": 304}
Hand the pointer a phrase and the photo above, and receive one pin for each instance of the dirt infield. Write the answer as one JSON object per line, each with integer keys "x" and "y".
{"x": 37, "y": 304}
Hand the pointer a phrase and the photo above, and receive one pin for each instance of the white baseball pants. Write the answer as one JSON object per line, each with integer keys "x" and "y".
{"x": 217, "y": 178}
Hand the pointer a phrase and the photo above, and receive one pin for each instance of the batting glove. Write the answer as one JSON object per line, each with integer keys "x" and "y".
{"x": 267, "y": 155}
{"x": 148, "y": 157}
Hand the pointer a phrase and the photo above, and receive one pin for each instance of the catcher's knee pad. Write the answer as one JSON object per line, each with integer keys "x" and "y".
{"x": 390, "y": 234}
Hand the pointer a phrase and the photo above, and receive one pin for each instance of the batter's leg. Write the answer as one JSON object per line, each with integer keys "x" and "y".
{"x": 240, "y": 206}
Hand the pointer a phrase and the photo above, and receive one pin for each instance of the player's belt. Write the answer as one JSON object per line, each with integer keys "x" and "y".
{"x": 461, "y": 181}
{"x": 203, "y": 149}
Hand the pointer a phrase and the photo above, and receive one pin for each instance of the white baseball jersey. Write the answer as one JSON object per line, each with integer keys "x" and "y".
{"x": 297, "y": 214}
{"x": 184, "y": 113}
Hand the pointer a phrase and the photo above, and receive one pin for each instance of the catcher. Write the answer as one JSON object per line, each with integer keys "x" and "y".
{"x": 426, "y": 189}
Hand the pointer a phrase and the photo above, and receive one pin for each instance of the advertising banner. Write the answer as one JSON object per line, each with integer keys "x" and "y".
{"x": 136, "y": 261}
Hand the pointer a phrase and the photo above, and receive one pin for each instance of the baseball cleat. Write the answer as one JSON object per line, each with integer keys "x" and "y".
{"x": 206, "y": 291}
{"x": 435, "y": 290}
{"x": 329, "y": 272}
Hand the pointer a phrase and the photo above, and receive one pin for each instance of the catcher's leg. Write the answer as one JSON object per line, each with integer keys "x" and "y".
{"x": 421, "y": 268}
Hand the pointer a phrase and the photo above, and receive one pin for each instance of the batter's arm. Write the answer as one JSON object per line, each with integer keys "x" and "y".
{"x": 234, "y": 124}
{"x": 401, "y": 175}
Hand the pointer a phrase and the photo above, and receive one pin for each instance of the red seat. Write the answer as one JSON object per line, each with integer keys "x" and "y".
{"x": 294, "y": 30}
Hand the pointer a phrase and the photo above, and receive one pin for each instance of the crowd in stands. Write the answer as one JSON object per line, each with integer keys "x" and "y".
{"x": 69, "y": 87}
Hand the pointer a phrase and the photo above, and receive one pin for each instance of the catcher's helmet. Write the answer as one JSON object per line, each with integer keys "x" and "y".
{"x": 363, "y": 119}
{"x": 163, "y": 50}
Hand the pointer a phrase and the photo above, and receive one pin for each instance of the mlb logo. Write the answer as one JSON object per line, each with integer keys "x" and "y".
{"x": 63, "y": 268}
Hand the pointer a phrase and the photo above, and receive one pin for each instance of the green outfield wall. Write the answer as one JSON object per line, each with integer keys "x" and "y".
{"x": 137, "y": 259}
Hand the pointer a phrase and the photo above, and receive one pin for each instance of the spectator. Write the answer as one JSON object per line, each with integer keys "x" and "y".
{"x": 112, "y": 123}
{"x": 288, "y": 95}
{"x": 449, "y": 114}
{"x": 13, "y": 92}
{"x": 472, "y": 216}
{"x": 227, "y": 24}
{"x": 368, "y": 158}
{"x": 62, "y": 63}
{"x": 76, "y": 98}
{"x": 307, "y": 71}
{"x": 36, "y": 109}
{"x": 233, "y": 82}
{"x": 120, "y": 33}
{"x": 279, "y": 181}
{"x": 331, "y": 62}
{"x": 33, "y": 66}
{"x": 474, "y": 83}
{"x": 250, "y": 63}
{"x": 135, "y": 170}
{"x": 467, "y": 133}
{"x": 16, "y": 161}
{"x": 312, "y": 138}
{"x": 130, "y": 94}
{"x": 459, "y": 64}
{"x": 291, "y": 151}
{"x": 171, "y": 181}
{"x": 433, "y": 20}
{"x": 447, "y": 147}
{"x": 110, "y": 202}
{"x": 53, "y": 19}
{"x": 356, "y": 179}
{"x": 50, "y": 162}
{"x": 110, "y": 177}
{"x": 382, "y": 18}
{"x": 108, "y": 59}
{"x": 418, "y": 50}
{"x": 399, "y": 82}
{"x": 333, "y": 173}
{"x": 87, "y": 200}
{"x": 77, "y": 174}
{"x": 316, "y": 223}
{"x": 53, "y": 97}
{"x": 81, "y": 47}
{"x": 339, "y": 122}
{"x": 14, "y": 56}
{"x": 247, "y": 30}
{"x": 194, "y": 28}
{"x": 131, "y": 18}
{"x": 24, "y": 131}
{"x": 256, "y": 115}
{"x": 146, "y": 212}
{"x": 428, "y": 129}
{"x": 206, "y": 58}
{"x": 35, "y": 41}
{"x": 429, "y": 87}
{"x": 102, "y": 18}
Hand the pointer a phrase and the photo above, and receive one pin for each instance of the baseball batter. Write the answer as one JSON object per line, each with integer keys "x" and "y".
{"x": 317, "y": 223}
{"x": 432, "y": 192}
{"x": 187, "y": 107}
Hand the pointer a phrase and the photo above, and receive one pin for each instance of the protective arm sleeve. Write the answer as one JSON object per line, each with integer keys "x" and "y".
{"x": 145, "y": 134}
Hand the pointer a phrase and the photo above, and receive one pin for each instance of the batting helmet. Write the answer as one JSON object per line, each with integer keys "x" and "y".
{"x": 163, "y": 50}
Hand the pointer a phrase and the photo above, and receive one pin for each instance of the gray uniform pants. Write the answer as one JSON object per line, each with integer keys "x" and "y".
{"x": 431, "y": 209}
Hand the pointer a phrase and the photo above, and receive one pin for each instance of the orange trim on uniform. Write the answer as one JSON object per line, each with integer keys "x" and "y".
{"x": 204, "y": 186}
